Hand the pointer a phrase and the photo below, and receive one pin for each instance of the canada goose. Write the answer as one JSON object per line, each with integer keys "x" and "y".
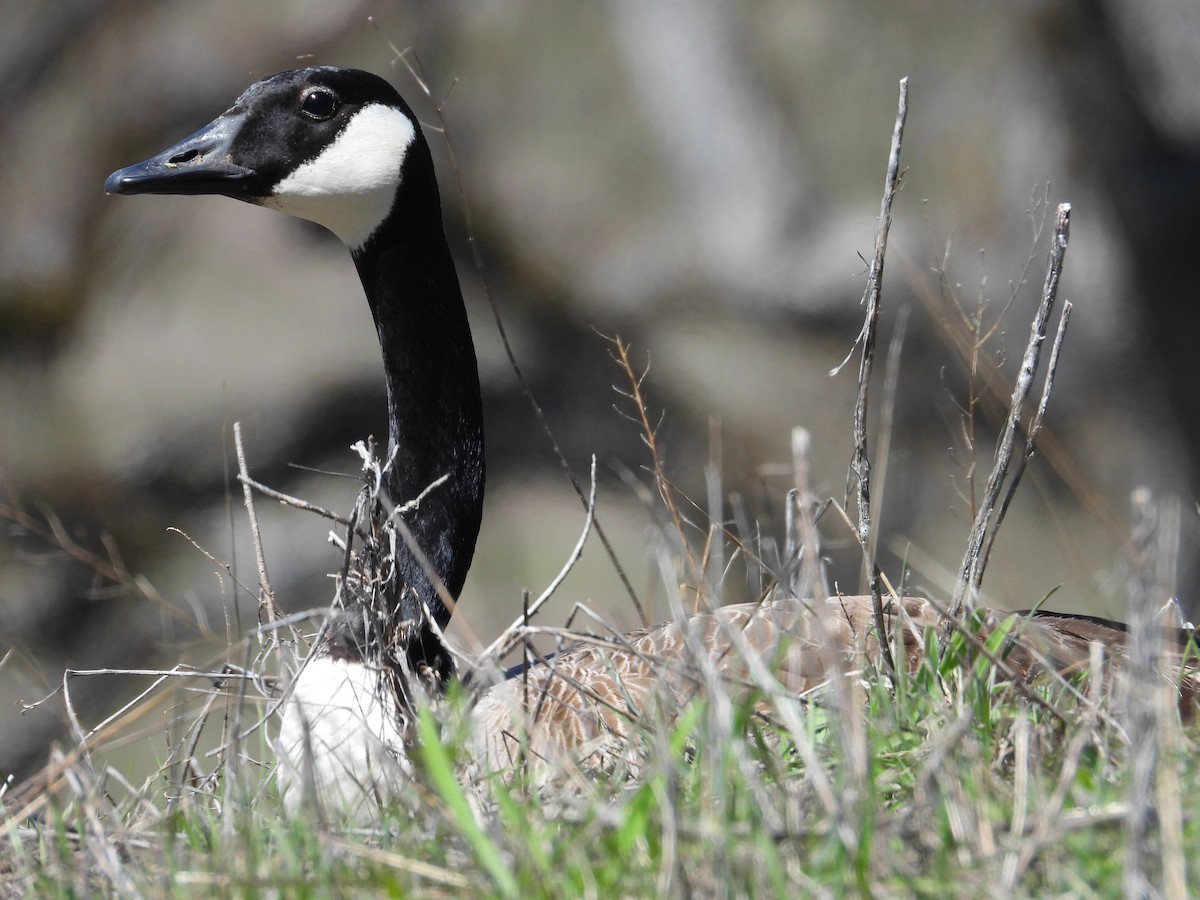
{"x": 341, "y": 148}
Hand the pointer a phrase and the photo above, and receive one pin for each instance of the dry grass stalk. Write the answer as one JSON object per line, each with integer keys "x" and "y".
{"x": 971, "y": 572}
{"x": 860, "y": 466}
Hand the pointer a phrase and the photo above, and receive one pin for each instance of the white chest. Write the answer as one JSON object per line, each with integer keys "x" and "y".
{"x": 339, "y": 742}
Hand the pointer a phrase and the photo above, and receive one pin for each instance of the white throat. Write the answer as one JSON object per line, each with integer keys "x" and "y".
{"x": 351, "y": 186}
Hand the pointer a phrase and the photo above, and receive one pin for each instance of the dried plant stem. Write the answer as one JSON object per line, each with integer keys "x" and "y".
{"x": 1035, "y": 427}
{"x": 860, "y": 466}
{"x": 971, "y": 572}
{"x": 437, "y": 874}
{"x": 289, "y": 500}
{"x": 641, "y": 418}
{"x": 715, "y": 563}
{"x": 266, "y": 597}
{"x": 1141, "y": 689}
{"x": 803, "y": 573}
{"x": 1170, "y": 811}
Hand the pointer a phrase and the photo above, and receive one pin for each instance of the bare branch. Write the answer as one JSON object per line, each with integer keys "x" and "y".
{"x": 971, "y": 572}
{"x": 289, "y": 500}
{"x": 860, "y": 466}
{"x": 1035, "y": 426}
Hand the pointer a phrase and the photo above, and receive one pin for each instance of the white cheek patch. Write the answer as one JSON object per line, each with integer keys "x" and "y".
{"x": 350, "y": 187}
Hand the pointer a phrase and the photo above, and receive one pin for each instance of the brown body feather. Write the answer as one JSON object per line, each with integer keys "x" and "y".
{"x": 581, "y": 706}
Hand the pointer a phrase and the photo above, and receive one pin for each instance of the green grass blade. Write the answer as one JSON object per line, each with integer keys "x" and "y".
{"x": 445, "y": 781}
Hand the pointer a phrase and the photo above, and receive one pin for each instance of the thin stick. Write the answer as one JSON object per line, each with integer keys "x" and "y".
{"x": 715, "y": 569}
{"x": 641, "y": 418}
{"x": 971, "y": 572}
{"x": 430, "y": 872}
{"x": 266, "y": 598}
{"x": 289, "y": 500}
{"x": 805, "y": 576}
{"x": 1035, "y": 427}
{"x": 1141, "y": 701}
{"x": 224, "y": 567}
{"x": 860, "y": 466}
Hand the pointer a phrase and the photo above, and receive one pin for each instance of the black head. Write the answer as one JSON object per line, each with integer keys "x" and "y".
{"x": 322, "y": 143}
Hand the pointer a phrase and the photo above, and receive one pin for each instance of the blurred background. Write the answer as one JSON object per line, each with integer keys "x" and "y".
{"x": 701, "y": 178}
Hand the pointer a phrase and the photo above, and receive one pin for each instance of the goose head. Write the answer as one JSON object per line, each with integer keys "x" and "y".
{"x": 324, "y": 144}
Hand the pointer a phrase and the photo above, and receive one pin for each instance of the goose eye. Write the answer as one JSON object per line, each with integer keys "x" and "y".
{"x": 319, "y": 104}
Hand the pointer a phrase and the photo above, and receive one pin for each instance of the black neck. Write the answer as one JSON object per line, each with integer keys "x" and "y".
{"x": 435, "y": 413}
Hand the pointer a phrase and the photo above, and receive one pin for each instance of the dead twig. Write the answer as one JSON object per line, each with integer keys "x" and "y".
{"x": 289, "y": 500}
{"x": 266, "y": 597}
{"x": 860, "y": 466}
{"x": 971, "y": 572}
{"x": 802, "y": 572}
{"x": 1035, "y": 427}
{"x": 649, "y": 431}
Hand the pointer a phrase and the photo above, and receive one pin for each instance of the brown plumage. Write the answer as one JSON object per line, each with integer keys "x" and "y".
{"x": 581, "y": 706}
